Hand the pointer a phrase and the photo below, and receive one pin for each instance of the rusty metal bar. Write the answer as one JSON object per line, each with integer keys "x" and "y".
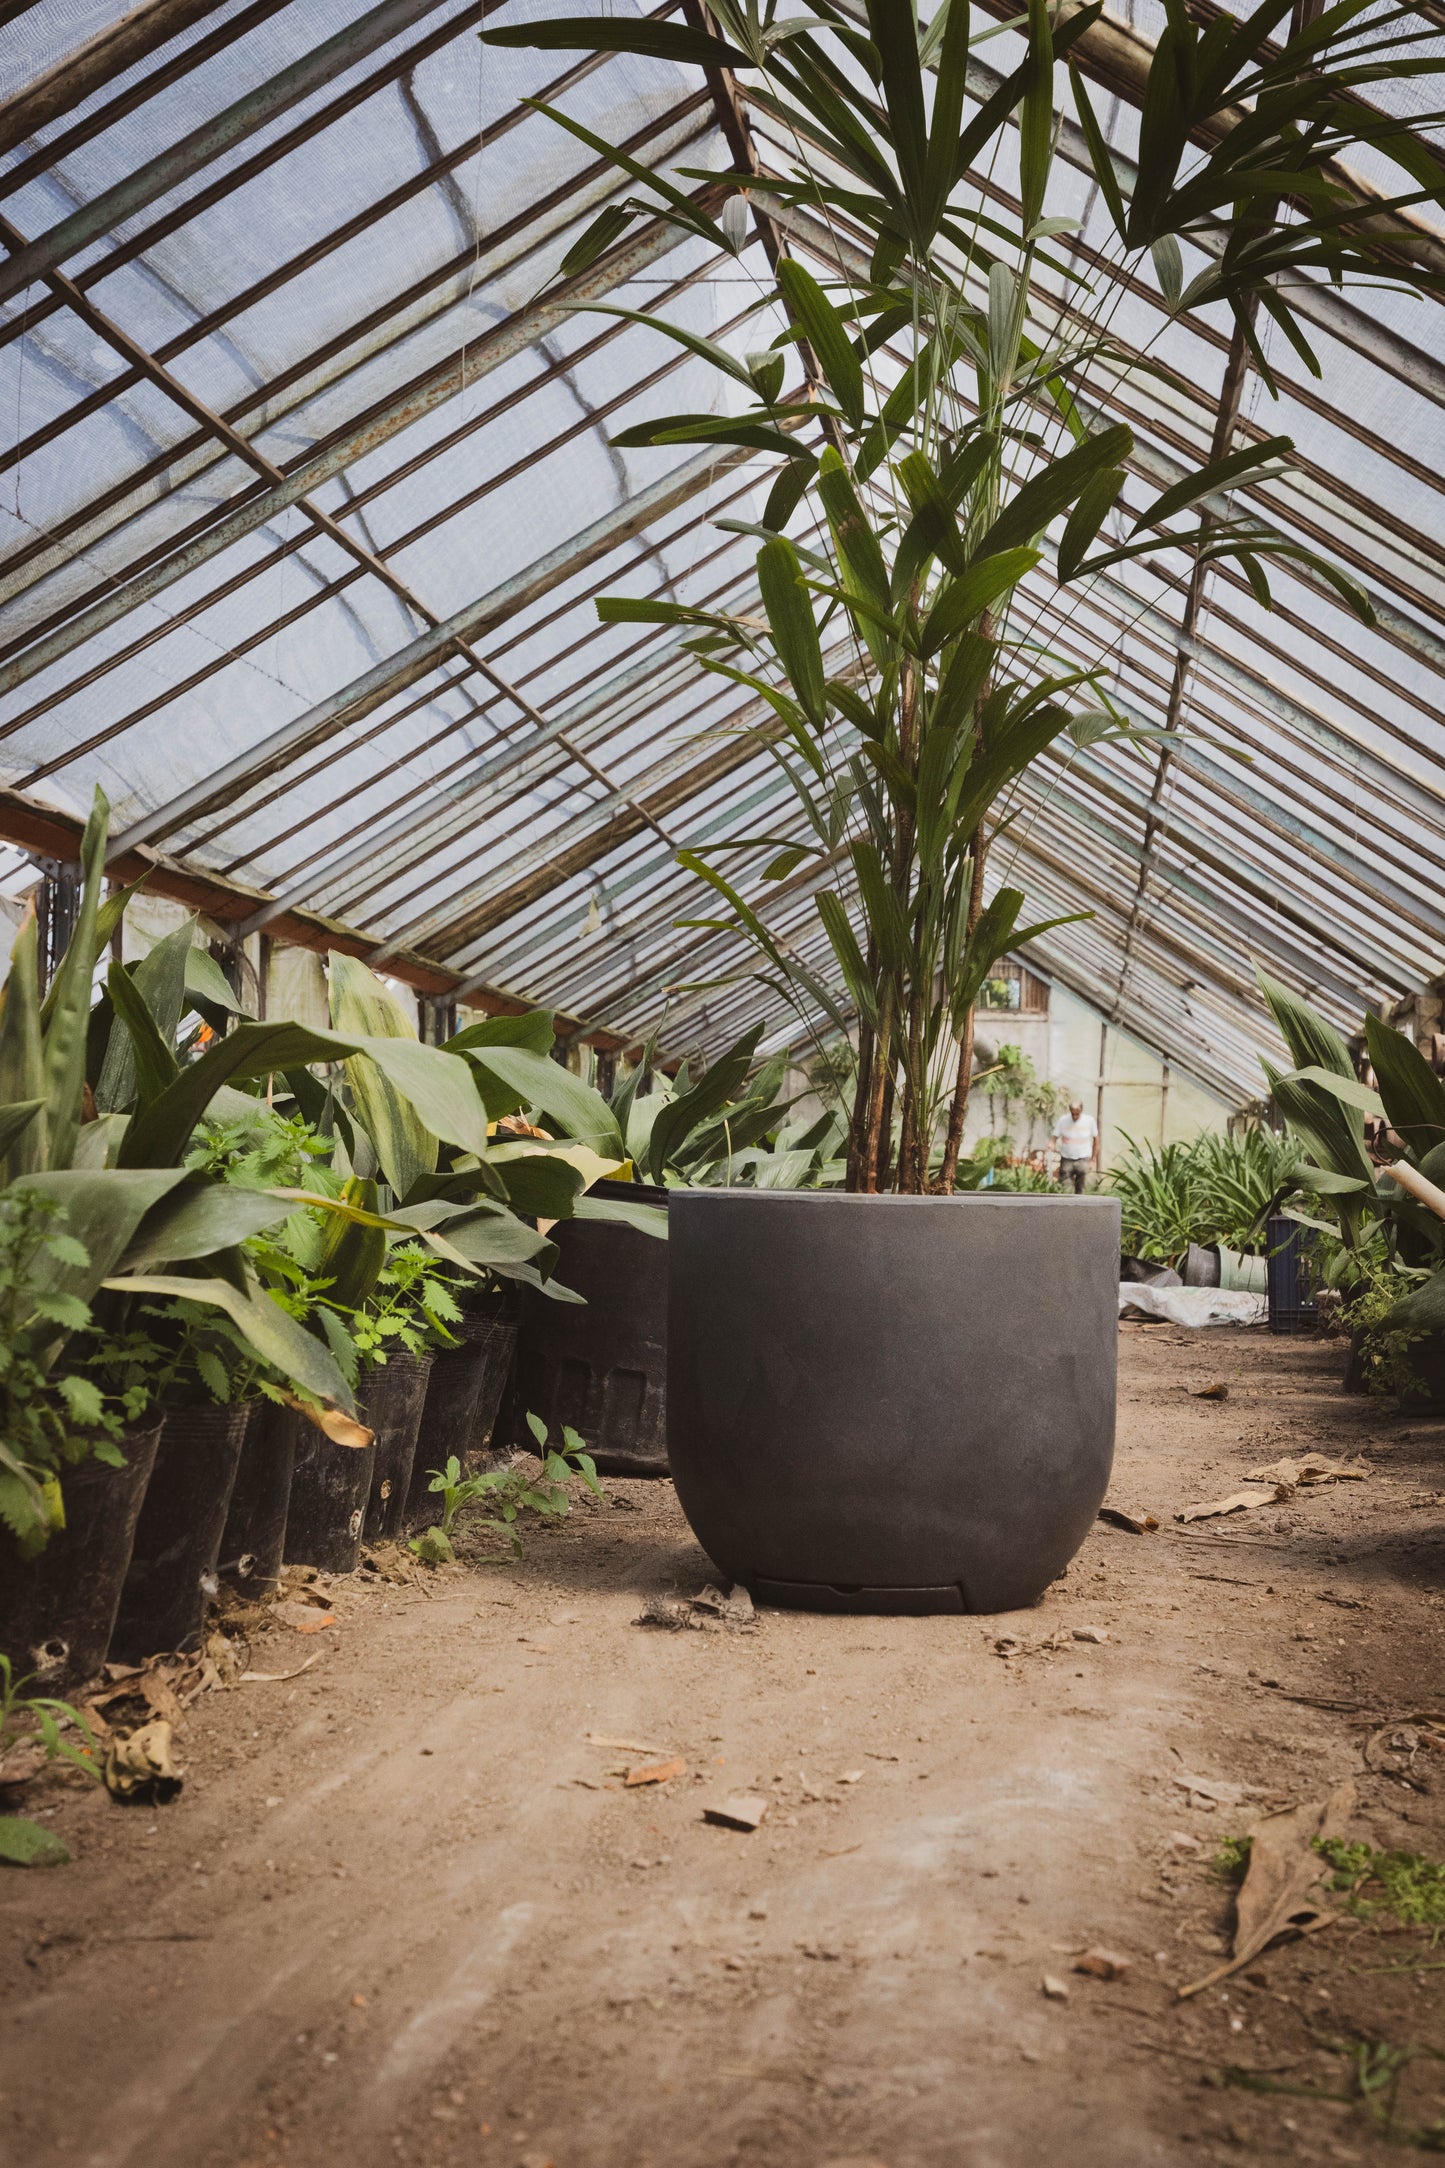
{"x": 383, "y": 421}
{"x": 140, "y": 93}
{"x": 214, "y": 137}
{"x": 81, "y": 73}
{"x": 422, "y": 655}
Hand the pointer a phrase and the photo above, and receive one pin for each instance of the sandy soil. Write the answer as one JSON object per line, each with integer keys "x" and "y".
{"x": 402, "y": 1913}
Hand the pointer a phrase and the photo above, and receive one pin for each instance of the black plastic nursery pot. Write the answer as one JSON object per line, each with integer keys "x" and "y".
{"x": 57, "y": 1611}
{"x": 394, "y": 1398}
{"x": 891, "y": 1403}
{"x": 463, "y": 1396}
{"x": 254, "y": 1538}
{"x": 1292, "y": 1307}
{"x": 603, "y": 1368}
{"x": 330, "y": 1485}
{"x": 172, "y": 1573}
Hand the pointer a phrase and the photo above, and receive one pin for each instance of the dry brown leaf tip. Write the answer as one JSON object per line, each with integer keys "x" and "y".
{"x": 1281, "y": 1889}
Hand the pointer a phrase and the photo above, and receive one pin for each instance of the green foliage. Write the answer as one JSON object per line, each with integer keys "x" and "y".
{"x": 1212, "y": 1189}
{"x": 1231, "y": 1858}
{"x": 1390, "y": 1259}
{"x": 23, "y": 1714}
{"x": 413, "y": 1306}
{"x": 944, "y": 418}
{"x": 508, "y": 1492}
{"x": 1405, "y": 1885}
{"x": 30, "y": 1844}
{"x": 51, "y": 1416}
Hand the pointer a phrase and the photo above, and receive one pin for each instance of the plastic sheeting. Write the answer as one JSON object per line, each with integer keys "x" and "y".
{"x": 352, "y": 290}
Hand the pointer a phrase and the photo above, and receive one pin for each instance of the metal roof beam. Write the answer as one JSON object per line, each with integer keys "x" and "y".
{"x": 213, "y": 138}
{"x": 423, "y": 654}
{"x": 475, "y": 359}
{"x": 92, "y": 65}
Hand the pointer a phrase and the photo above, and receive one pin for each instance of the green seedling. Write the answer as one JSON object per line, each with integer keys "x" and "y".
{"x": 508, "y": 1492}
{"x": 1373, "y": 2083}
{"x": 48, "y": 1716}
{"x": 1405, "y": 1884}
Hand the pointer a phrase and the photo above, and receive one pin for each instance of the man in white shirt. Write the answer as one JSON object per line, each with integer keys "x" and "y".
{"x": 1077, "y": 1137}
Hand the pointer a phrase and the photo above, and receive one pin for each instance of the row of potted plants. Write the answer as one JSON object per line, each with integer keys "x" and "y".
{"x": 1372, "y": 1185}
{"x": 228, "y": 1252}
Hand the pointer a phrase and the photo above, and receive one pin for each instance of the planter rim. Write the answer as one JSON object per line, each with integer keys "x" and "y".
{"x": 1008, "y": 1199}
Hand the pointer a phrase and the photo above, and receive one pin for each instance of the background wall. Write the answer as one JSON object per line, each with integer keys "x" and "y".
{"x": 1129, "y": 1090}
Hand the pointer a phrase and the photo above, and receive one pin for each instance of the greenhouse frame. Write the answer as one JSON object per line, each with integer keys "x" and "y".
{"x": 308, "y": 494}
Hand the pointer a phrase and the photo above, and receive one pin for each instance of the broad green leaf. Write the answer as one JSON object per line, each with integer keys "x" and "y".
{"x": 362, "y": 1006}
{"x": 65, "y": 1012}
{"x": 438, "y": 1084}
{"x": 1058, "y": 485}
{"x": 199, "y": 1218}
{"x": 894, "y": 32}
{"x": 1309, "y": 1038}
{"x": 816, "y": 317}
{"x": 1096, "y": 501}
{"x": 620, "y": 34}
{"x": 22, "y": 1067}
{"x": 15, "y": 1119}
{"x": 271, "y": 1332}
{"x": 1233, "y": 472}
{"x": 139, "y": 1062}
{"x": 706, "y": 349}
{"x": 676, "y": 1121}
{"x": 539, "y": 1185}
{"x": 103, "y": 1210}
{"x": 793, "y": 626}
{"x": 607, "y": 227}
{"x": 964, "y": 599}
{"x": 30, "y": 1844}
{"x": 545, "y": 1084}
{"x": 140, "y": 1059}
{"x": 207, "y": 984}
{"x": 1412, "y": 1094}
{"x": 534, "y": 1029}
{"x": 1036, "y": 120}
{"x": 648, "y": 1219}
{"x": 947, "y": 122}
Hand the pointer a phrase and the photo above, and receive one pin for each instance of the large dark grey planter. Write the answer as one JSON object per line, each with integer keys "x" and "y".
{"x": 891, "y": 1403}
{"x": 601, "y": 1368}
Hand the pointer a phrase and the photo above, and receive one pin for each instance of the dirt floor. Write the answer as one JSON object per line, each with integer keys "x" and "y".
{"x": 406, "y": 1909}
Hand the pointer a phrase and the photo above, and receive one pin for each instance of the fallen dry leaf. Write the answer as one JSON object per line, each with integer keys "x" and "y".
{"x": 744, "y": 1811}
{"x": 1137, "y": 1524}
{"x": 1311, "y": 1469}
{"x": 1217, "y": 1391}
{"x": 140, "y": 1765}
{"x": 1102, "y": 1964}
{"x": 656, "y": 1773}
{"x": 1220, "y": 1794}
{"x": 305, "y": 1618}
{"x": 1237, "y": 1502}
{"x": 340, "y": 1429}
{"x": 1284, "y": 1872}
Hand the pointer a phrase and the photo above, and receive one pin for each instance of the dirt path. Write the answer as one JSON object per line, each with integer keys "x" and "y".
{"x": 402, "y": 1912}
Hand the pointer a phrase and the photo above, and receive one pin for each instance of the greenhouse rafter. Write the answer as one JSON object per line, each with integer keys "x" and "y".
{"x": 455, "y": 758}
